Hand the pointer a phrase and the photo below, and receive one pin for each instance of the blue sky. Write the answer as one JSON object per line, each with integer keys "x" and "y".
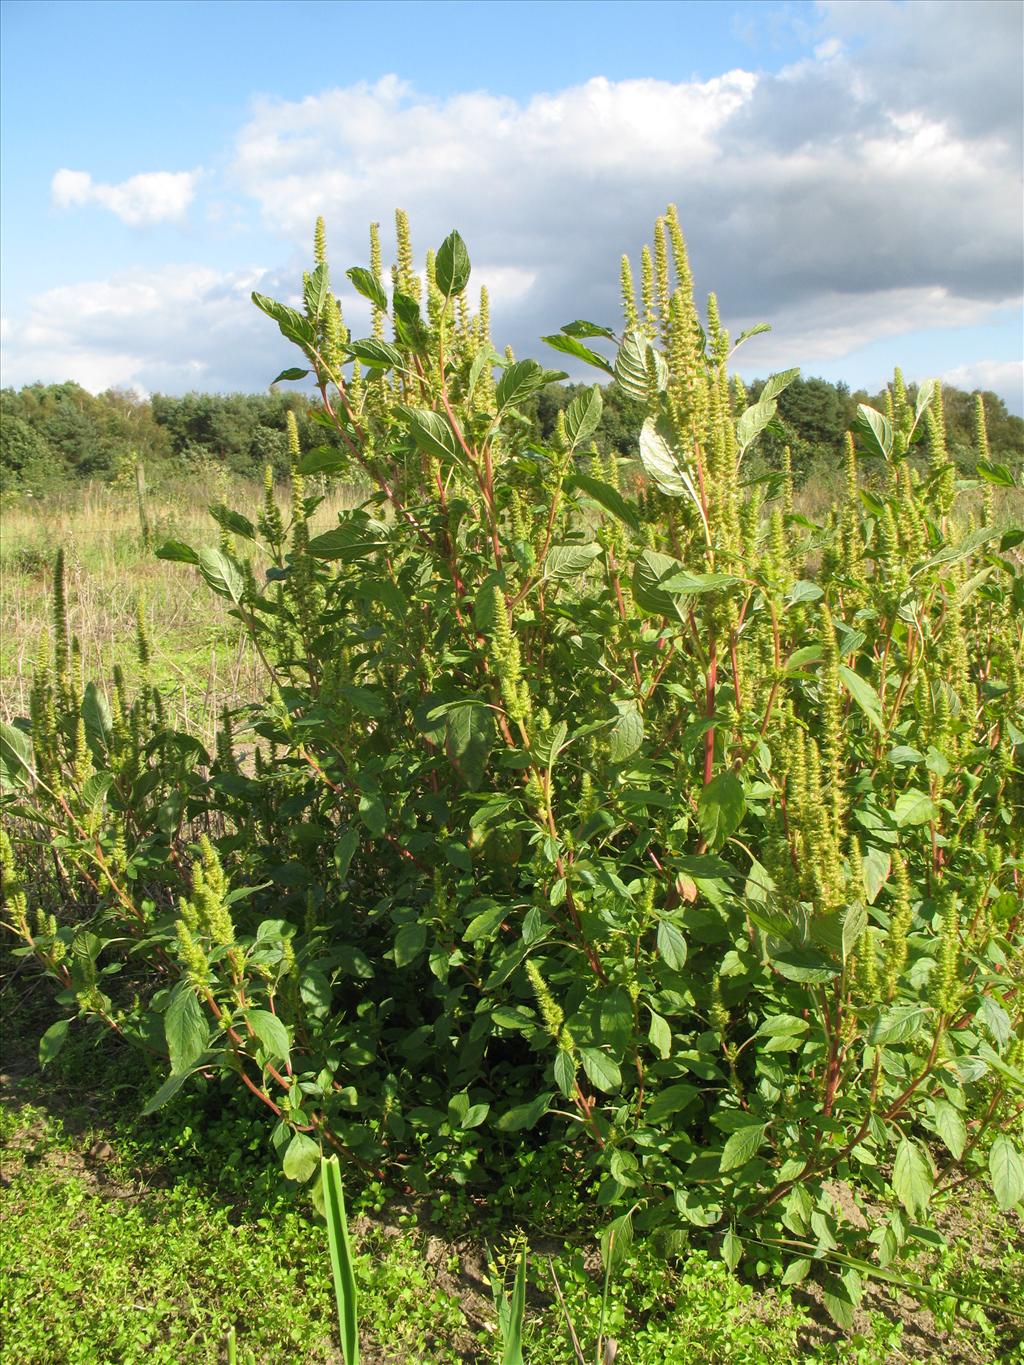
{"x": 835, "y": 173}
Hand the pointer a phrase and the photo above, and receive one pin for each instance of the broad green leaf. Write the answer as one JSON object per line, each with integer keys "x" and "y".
{"x": 602, "y": 1070}
{"x": 672, "y": 1099}
{"x": 410, "y": 941}
{"x": 616, "y": 1240}
{"x": 1006, "y": 1171}
{"x": 952, "y": 554}
{"x": 912, "y": 1178}
{"x": 950, "y": 1126}
{"x": 344, "y": 850}
{"x": 855, "y": 921}
{"x": 301, "y": 1158}
{"x": 874, "y": 430}
{"x": 671, "y": 945}
{"x": 316, "y": 290}
{"x": 635, "y": 361}
{"x": 292, "y": 324}
{"x": 741, "y": 1146}
{"x": 775, "y": 384}
{"x": 433, "y": 433}
{"x": 15, "y": 755}
{"x": 570, "y": 346}
{"x": 469, "y": 735}
{"x": 378, "y": 355}
{"x": 757, "y": 330}
{"x": 996, "y": 1020}
{"x": 53, "y": 1040}
{"x": 664, "y": 465}
{"x": 178, "y": 552}
{"x": 291, "y": 374}
{"x": 324, "y": 460}
{"x": 569, "y": 561}
{"x": 583, "y": 416}
{"x": 522, "y": 378}
{"x": 186, "y": 1029}
{"x": 565, "y": 1073}
{"x": 660, "y": 1035}
{"x": 607, "y": 497}
{"x": 451, "y": 265}
{"x": 992, "y": 472}
{"x": 914, "y": 808}
{"x": 732, "y": 1249}
{"x": 841, "y": 1294}
{"x": 626, "y": 735}
{"x": 271, "y": 1033}
{"x": 167, "y": 1091}
{"x": 99, "y": 723}
{"x": 222, "y": 573}
{"x": 650, "y": 570}
{"x": 524, "y": 1115}
{"x": 876, "y": 867}
{"x": 587, "y": 329}
{"x": 753, "y": 421}
{"x": 863, "y": 694}
{"x": 720, "y": 808}
{"x": 372, "y": 814}
{"x": 898, "y": 1024}
{"x": 485, "y": 924}
{"x": 366, "y": 283}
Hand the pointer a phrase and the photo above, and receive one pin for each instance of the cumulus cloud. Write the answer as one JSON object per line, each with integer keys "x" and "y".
{"x": 179, "y": 328}
{"x": 140, "y": 201}
{"x": 1003, "y": 377}
{"x": 868, "y": 191}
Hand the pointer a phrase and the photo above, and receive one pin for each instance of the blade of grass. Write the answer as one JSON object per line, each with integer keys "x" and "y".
{"x": 341, "y": 1259}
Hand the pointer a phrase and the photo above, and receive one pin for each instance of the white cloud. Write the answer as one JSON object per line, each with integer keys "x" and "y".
{"x": 140, "y": 201}
{"x": 1003, "y": 377}
{"x": 170, "y": 330}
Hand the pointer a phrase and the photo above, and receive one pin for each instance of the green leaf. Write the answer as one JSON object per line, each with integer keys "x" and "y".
{"x": 748, "y": 332}
{"x": 570, "y": 346}
{"x": 522, "y": 378}
{"x": 372, "y": 814}
{"x": 1006, "y": 1171}
{"x": 863, "y": 694}
{"x": 753, "y": 421}
{"x": 433, "y": 433}
{"x": 775, "y": 384}
{"x": 99, "y": 723}
{"x": 874, "y": 430}
{"x": 232, "y": 521}
{"x": 627, "y": 734}
{"x": 671, "y": 945}
{"x": 914, "y": 808}
{"x": 15, "y": 755}
{"x": 469, "y": 736}
{"x": 167, "y": 1091}
{"x": 583, "y": 416}
{"x": 271, "y": 1033}
{"x": 841, "y": 1294}
{"x": 720, "y": 808}
{"x": 608, "y": 498}
{"x": 366, "y": 283}
{"x": 485, "y": 924}
{"x": 741, "y": 1146}
{"x": 649, "y": 571}
{"x": 912, "y": 1178}
{"x": 898, "y": 1024}
{"x": 732, "y": 1249}
{"x": 995, "y": 473}
{"x": 951, "y": 554}
{"x": 451, "y": 265}
{"x": 587, "y": 329}
{"x": 292, "y": 324}
{"x": 317, "y": 288}
{"x": 53, "y": 1040}
{"x": 660, "y": 1035}
{"x": 289, "y": 374}
{"x": 323, "y": 460}
{"x": 616, "y": 1240}
{"x": 378, "y": 355}
{"x": 222, "y": 573}
{"x": 602, "y": 1071}
{"x": 673, "y": 1099}
{"x": 524, "y": 1115}
{"x": 855, "y": 921}
{"x": 342, "y": 1259}
{"x": 631, "y": 365}
{"x": 950, "y": 1126}
{"x": 178, "y": 552}
{"x": 565, "y": 1073}
{"x": 410, "y": 941}
{"x": 876, "y": 867}
{"x": 301, "y": 1158}
{"x": 569, "y": 561}
{"x": 186, "y": 1029}
{"x": 663, "y": 463}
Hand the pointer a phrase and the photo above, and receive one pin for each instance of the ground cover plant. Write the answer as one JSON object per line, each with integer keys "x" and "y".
{"x": 617, "y": 823}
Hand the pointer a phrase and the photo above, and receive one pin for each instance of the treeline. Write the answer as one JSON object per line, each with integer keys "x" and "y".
{"x": 54, "y": 434}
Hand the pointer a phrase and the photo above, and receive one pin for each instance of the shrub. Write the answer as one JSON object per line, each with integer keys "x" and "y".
{"x": 618, "y": 811}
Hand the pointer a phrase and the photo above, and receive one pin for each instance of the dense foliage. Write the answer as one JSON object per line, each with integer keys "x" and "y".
{"x": 613, "y": 811}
